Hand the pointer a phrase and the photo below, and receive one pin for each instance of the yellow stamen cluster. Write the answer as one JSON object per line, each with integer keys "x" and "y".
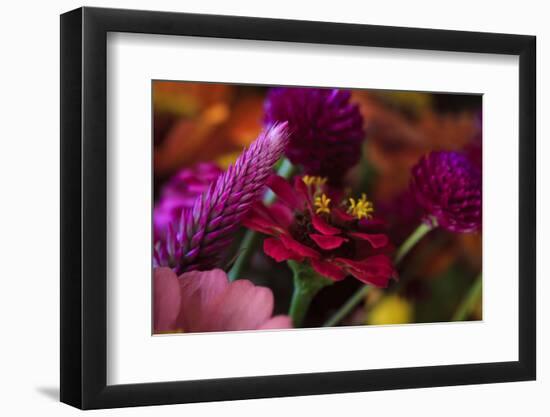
{"x": 321, "y": 204}
{"x": 315, "y": 181}
{"x": 361, "y": 208}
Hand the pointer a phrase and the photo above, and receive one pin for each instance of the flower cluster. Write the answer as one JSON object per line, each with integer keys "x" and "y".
{"x": 326, "y": 130}
{"x": 336, "y": 239}
{"x": 291, "y": 197}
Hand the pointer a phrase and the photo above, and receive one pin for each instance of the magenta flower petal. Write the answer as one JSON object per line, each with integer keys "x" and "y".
{"x": 285, "y": 192}
{"x": 275, "y": 249}
{"x": 298, "y": 248}
{"x": 166, "y": 300}
{"x": 328, "y": 269}
{"x": 376, "y": 240}
{"x": 322, "y": 226}
{"x": 328, "y": 242}
{"x": 376, "y": 270}
{"x": 259, "y": 223}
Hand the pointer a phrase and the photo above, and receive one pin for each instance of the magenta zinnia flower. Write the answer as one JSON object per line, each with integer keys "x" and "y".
{"x": 208, "y": 302}
{"x": 326, "y": 130}
{"x": 447, "y": 185}
{"x": 337, "y": 240}
{"x": 196, "y": 241}
{"x": 180, "y": 193}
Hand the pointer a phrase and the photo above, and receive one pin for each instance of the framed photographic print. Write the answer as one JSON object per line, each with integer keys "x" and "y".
{"x": 258, "y": 208}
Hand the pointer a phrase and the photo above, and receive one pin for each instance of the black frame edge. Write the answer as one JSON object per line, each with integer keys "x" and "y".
{"x": 70, "y": 219}
{"x": 527, "y": 206}
{"x": 83, "y": 203}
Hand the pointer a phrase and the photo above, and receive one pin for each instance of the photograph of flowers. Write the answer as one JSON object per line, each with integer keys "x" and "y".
{"x": 303, "y": 207}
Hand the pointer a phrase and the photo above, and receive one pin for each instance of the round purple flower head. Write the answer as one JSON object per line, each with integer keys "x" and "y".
{"x": 448, "y": 188}
{"x": 326, "y": 130}
{"x": 180, "y": 192}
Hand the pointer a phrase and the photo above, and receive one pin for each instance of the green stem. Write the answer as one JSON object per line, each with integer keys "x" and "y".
{"x": 251, "y": 238}
{"x": 356, "y": 298}
{"x": 411, "y": 241}
{"x": 468, "y": 303}
{"x": 307, "y": 283}
{"x": 346, "y": 308}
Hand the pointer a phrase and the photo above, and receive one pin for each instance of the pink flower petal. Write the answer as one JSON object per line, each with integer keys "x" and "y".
{"x": 298, "y": 248}
{"x": 200, "y": 292}
{"x": 328, "y": 242}
{"x": 277, "y": 322}
{"x": 242, "y": 306}
{"x": 323, "y": 227}
{"x": 166, "y": 300}
{"x": 274, "y": 248}
{"x": 328, "y": 269}
{"x": 377, "y": 240}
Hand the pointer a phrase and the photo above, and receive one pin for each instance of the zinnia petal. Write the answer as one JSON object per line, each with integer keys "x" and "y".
{"x": 377, "y": 240}
{"x": 274, "y": 248}
{"x": 376, "y": 270}
{"x": 285, "y": 192}
{"x": 328, "y": 269}
{"x": 259, "y": 223}
{"x": 298, "y": 248}
{"x": 323, "y": 227}
{"x": 328, "y": 242}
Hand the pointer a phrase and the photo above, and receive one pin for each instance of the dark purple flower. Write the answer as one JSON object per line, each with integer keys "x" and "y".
{"x": 326, "y": 129}
{"x": 197, "y": 241}
{"x": 447, "y": 185}
{"x": 180, "y": 192}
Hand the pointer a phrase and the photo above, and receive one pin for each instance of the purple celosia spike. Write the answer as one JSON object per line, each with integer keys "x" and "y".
{"x": 447, "y": 185}
{"x": 207, "y": 228}
{"x": 326, "y": 129}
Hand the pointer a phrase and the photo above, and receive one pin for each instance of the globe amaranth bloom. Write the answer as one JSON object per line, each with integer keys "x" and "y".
{"x": 180, "y": 193}
{"x": 197, "y": 241}
{"x": 207, "y": 302}
{"x": 326, "y": 130}
{"x": 338, "y": 240}
{"x": 447, "y": 185}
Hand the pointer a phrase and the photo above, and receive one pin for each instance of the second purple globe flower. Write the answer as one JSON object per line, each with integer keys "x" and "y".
{"x": 447, "y": 186}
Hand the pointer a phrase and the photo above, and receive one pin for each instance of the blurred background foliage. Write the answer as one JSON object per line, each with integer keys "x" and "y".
{"x": 197, "y": 122}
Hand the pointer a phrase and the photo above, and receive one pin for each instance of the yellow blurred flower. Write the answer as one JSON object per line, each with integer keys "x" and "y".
{"x": 392, "y": 309}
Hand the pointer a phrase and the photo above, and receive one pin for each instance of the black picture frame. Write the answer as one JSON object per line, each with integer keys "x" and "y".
{"x": 84, "y": 207}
